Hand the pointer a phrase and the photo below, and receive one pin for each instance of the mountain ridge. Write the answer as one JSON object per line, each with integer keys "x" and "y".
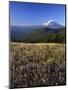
{"x": 38, "y": 33}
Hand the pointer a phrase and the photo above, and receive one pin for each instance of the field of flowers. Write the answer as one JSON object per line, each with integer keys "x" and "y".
{"x": 40, "y": 64}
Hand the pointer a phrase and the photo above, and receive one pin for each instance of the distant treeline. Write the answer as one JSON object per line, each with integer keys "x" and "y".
{"x": 43, "y": 35}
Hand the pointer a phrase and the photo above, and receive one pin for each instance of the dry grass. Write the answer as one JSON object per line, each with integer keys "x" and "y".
{"x": 40, "y": 64}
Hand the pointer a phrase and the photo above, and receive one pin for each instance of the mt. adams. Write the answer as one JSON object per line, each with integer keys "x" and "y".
{"x": 52, "y": 25}
{"x": 37, "y": 32}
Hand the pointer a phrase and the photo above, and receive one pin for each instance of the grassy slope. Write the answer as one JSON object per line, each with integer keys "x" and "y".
{"x": 40, "y": 64}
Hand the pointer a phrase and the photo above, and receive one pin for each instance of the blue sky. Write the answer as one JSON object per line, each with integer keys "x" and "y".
{"x": 26, "y": 14}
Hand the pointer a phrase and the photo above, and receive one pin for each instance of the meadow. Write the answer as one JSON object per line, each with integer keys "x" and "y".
{"x": 40, "y": 64}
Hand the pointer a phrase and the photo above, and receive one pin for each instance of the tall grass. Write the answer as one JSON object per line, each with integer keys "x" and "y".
{"x": 37, "y": 64}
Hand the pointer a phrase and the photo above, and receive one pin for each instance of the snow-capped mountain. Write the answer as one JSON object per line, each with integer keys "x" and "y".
{"x": 43, "y": 33}
{"x": 52, "y": 25}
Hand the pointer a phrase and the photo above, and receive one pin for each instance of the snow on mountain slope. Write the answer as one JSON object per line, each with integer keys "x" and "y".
{"x": 52, "y": 24}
